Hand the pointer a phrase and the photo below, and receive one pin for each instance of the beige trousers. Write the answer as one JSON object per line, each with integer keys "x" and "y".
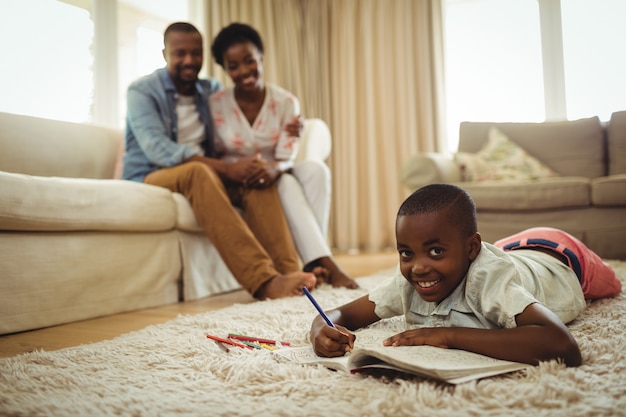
{"x": 255, "y": 245}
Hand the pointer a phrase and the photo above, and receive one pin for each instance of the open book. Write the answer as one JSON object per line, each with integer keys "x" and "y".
{"x": 449, "y": 365}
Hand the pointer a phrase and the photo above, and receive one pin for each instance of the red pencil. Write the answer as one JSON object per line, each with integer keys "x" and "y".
{"x": 256, "y": 339}
{"x": 228, "y": 341}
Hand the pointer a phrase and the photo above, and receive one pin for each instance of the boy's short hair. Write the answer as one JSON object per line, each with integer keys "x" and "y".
{"x": 180, "y": 27}
{"x": 437, "y": 197}
{"x": 232, "y": 34}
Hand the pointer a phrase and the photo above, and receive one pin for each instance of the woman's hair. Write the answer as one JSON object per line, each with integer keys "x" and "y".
{"x": 438, "y": 197}
{"x": 180, "y": 27}
{"x": 232, "y": 34}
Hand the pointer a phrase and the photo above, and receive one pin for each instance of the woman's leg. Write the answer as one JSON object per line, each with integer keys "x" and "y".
{"x": 307, "y": 205}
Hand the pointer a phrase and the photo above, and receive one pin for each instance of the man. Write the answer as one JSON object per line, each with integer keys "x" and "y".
{"x": 169, "y": 144}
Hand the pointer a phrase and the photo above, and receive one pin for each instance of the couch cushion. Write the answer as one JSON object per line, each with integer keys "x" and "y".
{"x": 61, "y": 204}
{"x": 616, "y": 137}
{"x": 609, "y": 191}
{"x": 571, "y": 148}
{"x": 550, "y": 193}
{"x": 52, "y": 148}
{"x": 185, "y": 219}
{"x": 501, "y": 159}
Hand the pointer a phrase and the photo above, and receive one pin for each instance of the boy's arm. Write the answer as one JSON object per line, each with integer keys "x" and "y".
{"x": 539, "y": 336}
{"x": 331, "y": 342}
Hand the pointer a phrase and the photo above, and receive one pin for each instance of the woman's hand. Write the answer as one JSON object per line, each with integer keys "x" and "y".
{"x": 295, "y": 127}
{"x": 263, "y": 175}
{"x": 242, "y": 169}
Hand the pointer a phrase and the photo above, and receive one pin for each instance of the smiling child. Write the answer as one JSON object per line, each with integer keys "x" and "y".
{"x": 509, "y": 301}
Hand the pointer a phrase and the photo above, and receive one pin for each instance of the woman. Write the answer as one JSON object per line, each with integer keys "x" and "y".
{"x": 249, "y": 120}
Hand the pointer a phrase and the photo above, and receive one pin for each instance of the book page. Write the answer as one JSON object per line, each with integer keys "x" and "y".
{"x": 306, "y": 356}
{"x": 450, "y": 365}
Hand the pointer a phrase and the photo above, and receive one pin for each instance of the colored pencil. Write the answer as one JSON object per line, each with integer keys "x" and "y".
{"x": 256, "y": 339}
{"x": 227, "y": 341}
{"x": 222, "y": 346}
{"x": 252, "y": 345}
{"x": 318, "y": 308}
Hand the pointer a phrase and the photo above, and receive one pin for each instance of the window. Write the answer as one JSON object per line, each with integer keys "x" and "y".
{"x": 51, "y": 68}
{"x": 47, "y": 60}
{"x": 495, "y": 70}
{"x": 595, "y": 62}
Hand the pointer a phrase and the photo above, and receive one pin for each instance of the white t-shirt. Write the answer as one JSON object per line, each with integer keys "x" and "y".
{"x": 498, "y": 286}
{"x": 190, "y": 127}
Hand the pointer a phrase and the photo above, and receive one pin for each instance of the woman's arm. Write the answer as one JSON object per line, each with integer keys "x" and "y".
{"x": 539, "y": 336}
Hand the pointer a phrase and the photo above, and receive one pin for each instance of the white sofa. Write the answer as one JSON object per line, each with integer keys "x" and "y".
{"x": 587, "y": 198}
{"x": 77, "y": 242}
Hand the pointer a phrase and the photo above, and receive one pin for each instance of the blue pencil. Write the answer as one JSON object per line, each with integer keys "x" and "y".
{"x": 317, "y": 306}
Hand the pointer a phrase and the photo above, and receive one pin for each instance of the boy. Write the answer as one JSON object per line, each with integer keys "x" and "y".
{"x": 465, "y": 294}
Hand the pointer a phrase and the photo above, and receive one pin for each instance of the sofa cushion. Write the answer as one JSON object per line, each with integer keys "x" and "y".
{"x": 185, "y": 219}
{"x": 571, "y": 148}
{"x": 61, "y": 204}
{"x": 501, "y": 159}
{"x": 616, "y": 140}
{"x": 609, "y": 191}
{"x": 549, "y": 193}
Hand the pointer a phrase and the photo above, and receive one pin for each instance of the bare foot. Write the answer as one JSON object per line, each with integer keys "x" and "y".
{"x": 289, "y": 285}
{"x": 322, "y": 275}
{"x": 334, "y": 275}
{"x": 339, "y": 279}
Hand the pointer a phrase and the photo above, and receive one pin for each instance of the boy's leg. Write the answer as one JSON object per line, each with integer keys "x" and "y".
{"x": 245, "y": 257}
{"x": 597, "y": 278}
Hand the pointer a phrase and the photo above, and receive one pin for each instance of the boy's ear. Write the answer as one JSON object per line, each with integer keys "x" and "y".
{"x": 475, "y": 243}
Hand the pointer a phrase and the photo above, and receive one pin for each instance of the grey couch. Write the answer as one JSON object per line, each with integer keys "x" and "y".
{"x": 587, "y": 199}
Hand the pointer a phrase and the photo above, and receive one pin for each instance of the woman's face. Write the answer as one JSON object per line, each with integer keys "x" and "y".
{"x": 244, "y": 63}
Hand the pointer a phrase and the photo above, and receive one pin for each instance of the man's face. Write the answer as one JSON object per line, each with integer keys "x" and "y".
{"x": 434, "y": 254}
{"x": 183, "y": 54}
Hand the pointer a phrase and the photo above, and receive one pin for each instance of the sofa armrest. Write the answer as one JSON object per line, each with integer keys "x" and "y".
{"x": 54, "y": 148}
{"x": 428, "y": 168}
{"x": 315, "y": 142}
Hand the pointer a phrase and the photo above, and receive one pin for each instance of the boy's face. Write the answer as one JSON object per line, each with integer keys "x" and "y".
{"x": 434, "y": 254}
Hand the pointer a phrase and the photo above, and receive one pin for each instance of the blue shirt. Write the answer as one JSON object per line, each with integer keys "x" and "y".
{"x": 152, "y": 125}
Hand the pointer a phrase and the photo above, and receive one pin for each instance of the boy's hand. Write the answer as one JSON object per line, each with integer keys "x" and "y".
{"x": 330, "y": 342}
{"x": 433, "y": 336}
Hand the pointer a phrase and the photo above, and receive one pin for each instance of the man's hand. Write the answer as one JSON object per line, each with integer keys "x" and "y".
{"x": 240, "y": 171}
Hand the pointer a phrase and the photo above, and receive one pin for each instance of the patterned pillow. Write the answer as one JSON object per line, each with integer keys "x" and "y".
{"x": 501, "y": 159}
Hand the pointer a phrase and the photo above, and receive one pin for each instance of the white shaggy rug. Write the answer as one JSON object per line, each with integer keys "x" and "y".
{"x": 172, "y": 369}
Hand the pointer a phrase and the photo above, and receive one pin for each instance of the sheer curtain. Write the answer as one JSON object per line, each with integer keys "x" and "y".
{"x": 372, "y": 69}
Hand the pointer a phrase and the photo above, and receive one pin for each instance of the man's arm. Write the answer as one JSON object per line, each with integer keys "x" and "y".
{"x": 152, "y": 133}
{"x": 539, "y": 336}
